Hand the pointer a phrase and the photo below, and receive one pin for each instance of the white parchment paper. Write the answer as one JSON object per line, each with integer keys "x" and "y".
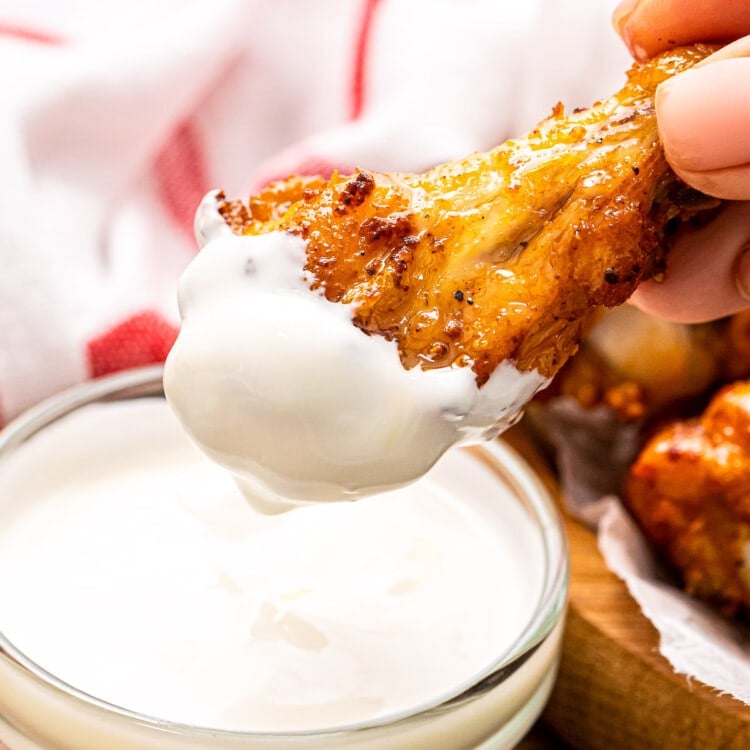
{"x": 592, "y": 453}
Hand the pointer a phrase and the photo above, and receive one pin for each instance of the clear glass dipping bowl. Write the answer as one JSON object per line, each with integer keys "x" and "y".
{"x": 492, "y": 711}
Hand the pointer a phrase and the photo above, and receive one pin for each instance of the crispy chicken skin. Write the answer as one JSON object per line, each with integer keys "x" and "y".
{"x": 501, "y": 255}
{"x": 690, "y": 492}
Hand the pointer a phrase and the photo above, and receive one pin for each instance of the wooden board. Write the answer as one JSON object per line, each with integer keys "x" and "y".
{"x": 615, "y": 690}
{"x": 540, "y": 738}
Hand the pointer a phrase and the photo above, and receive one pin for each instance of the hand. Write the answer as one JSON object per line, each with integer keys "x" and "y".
{"x": 704, "y": 123}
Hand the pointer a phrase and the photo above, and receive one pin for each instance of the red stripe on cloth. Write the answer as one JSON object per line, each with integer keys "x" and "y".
{"x": 143, "y": 339}
{"x": 29, "y": 35}
{"x": 181, "y": 175}
{"x": 362, "y": 45}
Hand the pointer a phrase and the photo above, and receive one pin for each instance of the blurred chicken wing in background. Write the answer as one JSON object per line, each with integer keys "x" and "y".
{"x": 690, "y": 492}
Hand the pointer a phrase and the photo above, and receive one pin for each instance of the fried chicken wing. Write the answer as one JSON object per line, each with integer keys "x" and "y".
{"x": 479, "y": 274}
{"x": 644, "y": 367}
{"x": 690, "y": 492}
{"x": 639, "y": 365}
{"x": 500, "y": 256}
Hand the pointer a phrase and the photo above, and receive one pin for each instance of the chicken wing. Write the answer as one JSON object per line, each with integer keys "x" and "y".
{"x": 690, "y": 492}
{"x": 500, "y": 256}
{"x": 641, "y": 366}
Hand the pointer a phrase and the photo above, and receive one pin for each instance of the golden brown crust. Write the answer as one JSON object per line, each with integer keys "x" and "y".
{"x": 690, "y": 492}
{"x": 500, "y": 255}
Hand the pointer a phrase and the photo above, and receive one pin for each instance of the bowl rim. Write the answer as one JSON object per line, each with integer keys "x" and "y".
{"x": 506, "y": 463}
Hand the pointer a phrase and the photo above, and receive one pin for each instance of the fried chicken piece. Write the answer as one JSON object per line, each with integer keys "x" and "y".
{"x": 643, "y": 367}
{"x": 689, "y": 490}
{"x": 501, "y": 255}
{"x": 639, "y": 365}
{"x": 588, "y": 378}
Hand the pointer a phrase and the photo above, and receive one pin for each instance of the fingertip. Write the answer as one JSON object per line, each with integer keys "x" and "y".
{"x": 705, "y": 277}
{"x": 652, "y": 26}
{"x": 620, "y": 17}
{"x": 635, "y": 22}
{"x": 704, "y": 116}
{"x": 730, "y": 183}
{"x": 658, "y": 300}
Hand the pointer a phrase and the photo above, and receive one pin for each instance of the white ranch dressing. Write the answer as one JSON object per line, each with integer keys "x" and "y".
{"x": 134, "y": 570}
{"x": 276, "y": 384}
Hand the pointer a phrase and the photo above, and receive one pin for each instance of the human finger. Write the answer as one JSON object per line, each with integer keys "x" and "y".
{"x": 708, "y": 271}
{"x": 651, "y": 26}
{"x": 704, "y": 124}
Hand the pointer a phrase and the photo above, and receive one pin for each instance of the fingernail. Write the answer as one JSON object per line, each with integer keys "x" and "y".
{"x": 742, "y": 272}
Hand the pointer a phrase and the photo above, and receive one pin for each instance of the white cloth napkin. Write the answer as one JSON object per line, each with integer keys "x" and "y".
{"x": 115, "y": 118}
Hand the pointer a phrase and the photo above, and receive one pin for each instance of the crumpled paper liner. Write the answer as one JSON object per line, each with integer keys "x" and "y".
{"x": 593, "y": 450}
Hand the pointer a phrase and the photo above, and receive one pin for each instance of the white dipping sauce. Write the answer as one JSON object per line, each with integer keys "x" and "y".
{"x": 132, "y": 568}
{"x": 276, "y": 384}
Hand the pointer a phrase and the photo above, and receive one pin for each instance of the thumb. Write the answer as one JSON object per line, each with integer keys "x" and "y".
{"x": 708, "y": 271}
{"x": 704, "y": 122}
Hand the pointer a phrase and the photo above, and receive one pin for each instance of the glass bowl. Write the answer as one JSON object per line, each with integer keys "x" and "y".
{"x": 493, "y": 710}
